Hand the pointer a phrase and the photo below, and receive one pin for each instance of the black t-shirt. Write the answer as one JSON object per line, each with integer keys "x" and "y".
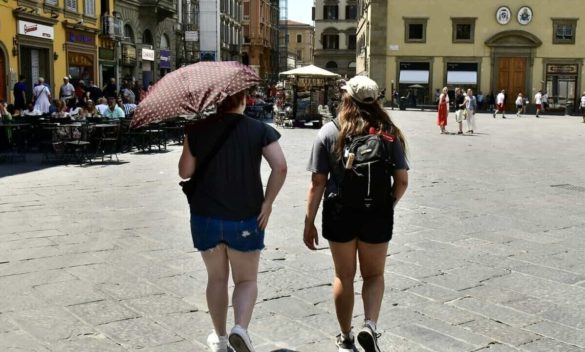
{"x": 231, "y": 187}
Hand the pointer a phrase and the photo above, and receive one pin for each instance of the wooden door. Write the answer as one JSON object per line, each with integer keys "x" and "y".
{"x": 3, "y": 82}
{"x": 512, "y": 78}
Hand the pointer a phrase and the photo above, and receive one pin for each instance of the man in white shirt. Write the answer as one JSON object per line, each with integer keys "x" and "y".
{"x": 538, "y": 102}
{"x": 102, "y": 106}
{"x": 67, "y": 90}
{"x": 500, "y": 107}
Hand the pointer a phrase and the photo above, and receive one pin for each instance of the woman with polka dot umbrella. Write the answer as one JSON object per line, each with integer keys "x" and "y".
{"x": 193, "y": 89}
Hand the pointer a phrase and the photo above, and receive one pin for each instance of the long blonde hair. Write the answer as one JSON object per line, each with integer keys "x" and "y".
{"x": 356, "y": 119}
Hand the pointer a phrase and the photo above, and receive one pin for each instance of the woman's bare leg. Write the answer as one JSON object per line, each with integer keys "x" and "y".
{"x": 245, "y": 274}
{"x": 344, "y": 259}
{"x": 372, "y": 258}
{"x": 216, "y": 262}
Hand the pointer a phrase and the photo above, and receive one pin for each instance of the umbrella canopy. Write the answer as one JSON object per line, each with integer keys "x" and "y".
{"x": 192, "y": 89}
{"x": 415, "y": 86}
{"x": 310, "y": 71}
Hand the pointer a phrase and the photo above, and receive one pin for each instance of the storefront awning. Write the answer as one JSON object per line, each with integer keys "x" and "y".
{"x": 414, "y": 77}
{"x": 461, "y": 77}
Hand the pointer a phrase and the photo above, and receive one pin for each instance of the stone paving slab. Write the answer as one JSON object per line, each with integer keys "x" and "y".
{"x": 487, "y": 253}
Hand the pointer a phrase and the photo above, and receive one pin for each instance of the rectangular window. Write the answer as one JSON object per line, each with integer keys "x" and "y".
{"x": 313, "y": 13}
{"x": 330, "y": 41}
{"x": 330, "y": 12}
{"x": 351, "y": 41}
{"x": 463, "y": 30}
{"x": 51, "y": 2}
{"x": 351, "y": 12}
{"x": 71, "y": 5}
{"x": 90, "y": 8}
{"x": 564, "y": 31}
{"x": 415, "y": 30}
{"x": 299, "y": 38}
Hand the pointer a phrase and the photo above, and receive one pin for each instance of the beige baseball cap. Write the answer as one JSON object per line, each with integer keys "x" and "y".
{"x": 362, "y": 89}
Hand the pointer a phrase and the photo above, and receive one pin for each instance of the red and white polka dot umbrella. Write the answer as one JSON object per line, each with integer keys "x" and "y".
{"x": 192, "y": 89}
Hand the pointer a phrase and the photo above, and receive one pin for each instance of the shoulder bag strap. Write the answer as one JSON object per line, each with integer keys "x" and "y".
{"x": 200, "y": 169}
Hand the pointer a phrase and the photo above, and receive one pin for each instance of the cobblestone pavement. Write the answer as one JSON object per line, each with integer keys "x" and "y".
{"x": 488, "y": 252}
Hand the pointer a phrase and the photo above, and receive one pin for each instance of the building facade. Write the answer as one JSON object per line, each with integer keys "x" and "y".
{"x": 260, "y": 37}
{"x": 50, "y": 39}
{"x": 301, "y": 42}
{"x": 148, "y": 38}
{"x": 488, "y": 47}
{"x": 335, "y": 35}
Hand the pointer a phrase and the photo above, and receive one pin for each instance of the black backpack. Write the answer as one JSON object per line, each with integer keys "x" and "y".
{"x": 366, "y": 181}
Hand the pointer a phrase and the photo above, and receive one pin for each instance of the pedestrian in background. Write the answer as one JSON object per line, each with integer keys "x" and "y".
{"x": 230, "y": 211}
{"x": 544, "y": 101}
{"x": 67, "y": 90}
{"x": 500, "y": 104}
{"x": 470, "y": 109}
{"x": 583, "y": 106}
{"x": 443, "y": 110}
{"x": 459, "y": 109}
{"x": 538, "y": 102}
{"x": 20, "y": 93}
{"x": 519, "y": 105}
{"x": 42, "y": 97}
{"x": 353, "y": 231}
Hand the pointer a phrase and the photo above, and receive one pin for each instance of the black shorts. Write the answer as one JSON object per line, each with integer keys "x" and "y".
{"x": 342, "y": 224}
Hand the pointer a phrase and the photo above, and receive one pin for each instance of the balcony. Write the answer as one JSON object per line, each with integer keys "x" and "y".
{"x": 162, "y": 8}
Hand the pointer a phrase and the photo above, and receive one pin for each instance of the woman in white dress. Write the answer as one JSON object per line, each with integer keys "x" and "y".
{"x": 42, "y": 97}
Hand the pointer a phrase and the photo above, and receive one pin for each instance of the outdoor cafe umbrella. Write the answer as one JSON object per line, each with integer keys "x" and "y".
{"x": 416, "y": 86}
{"x": 192, "y": 89}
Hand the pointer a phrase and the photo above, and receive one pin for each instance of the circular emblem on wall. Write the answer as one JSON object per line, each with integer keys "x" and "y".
{"x": 503, "y": 15}
{"x": 524, "y": 15}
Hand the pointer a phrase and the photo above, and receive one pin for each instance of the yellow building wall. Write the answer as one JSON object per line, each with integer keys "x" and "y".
{"x": 439, "y": 34}
{"x": 8, "y": 31}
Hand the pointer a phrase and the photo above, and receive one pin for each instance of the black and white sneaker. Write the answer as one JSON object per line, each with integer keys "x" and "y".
{"x": 346, "y": 343}
{"x": 368, "y": 338}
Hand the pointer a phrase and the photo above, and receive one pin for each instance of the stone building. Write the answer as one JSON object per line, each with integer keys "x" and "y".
{"x": 335, "y": 35}
{"x": 423, "y": 45}
{"x": 148, "y": 39}
{"x": 260, "y": 30}
{"x": 301, "y": 42}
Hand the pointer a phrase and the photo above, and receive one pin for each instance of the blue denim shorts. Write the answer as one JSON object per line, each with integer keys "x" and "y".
{"x": 242, "y": 235}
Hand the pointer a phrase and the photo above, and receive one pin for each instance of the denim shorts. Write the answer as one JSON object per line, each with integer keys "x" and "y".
{"x": 242, "y": 235}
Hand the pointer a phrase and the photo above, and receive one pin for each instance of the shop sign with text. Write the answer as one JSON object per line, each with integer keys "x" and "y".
{"x": 165, "y": 59}
{"x": 36, "y": 30}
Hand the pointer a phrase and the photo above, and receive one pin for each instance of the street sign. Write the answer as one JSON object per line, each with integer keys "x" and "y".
{"x": 191, "y": 36}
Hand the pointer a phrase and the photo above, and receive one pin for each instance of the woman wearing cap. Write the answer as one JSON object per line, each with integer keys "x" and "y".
{"x": 355, "y": 233}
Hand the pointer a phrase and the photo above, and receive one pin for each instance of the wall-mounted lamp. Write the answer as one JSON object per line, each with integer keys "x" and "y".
{"x": 55, "y": 56}
{"x": 14, "y": 46}
{"x": 54, "y": 14}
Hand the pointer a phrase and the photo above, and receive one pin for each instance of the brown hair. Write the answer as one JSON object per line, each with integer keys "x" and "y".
{"x": 231, "y": 102}
{"x": 356, "y": 119}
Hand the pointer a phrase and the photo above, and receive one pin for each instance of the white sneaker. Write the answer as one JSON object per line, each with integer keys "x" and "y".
{"x": 368, "y": 338}
{"x": 240, "y": 340}
{"x": 217, "y": 343}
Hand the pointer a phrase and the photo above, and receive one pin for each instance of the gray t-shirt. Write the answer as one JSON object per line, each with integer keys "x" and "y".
{"x": 324, "y": 161}
{"x": 231, "y": 187}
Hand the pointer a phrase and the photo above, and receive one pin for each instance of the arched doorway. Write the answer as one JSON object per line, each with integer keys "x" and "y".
{"x": 513, "y": 55}
{"x": 3, "y": 78}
